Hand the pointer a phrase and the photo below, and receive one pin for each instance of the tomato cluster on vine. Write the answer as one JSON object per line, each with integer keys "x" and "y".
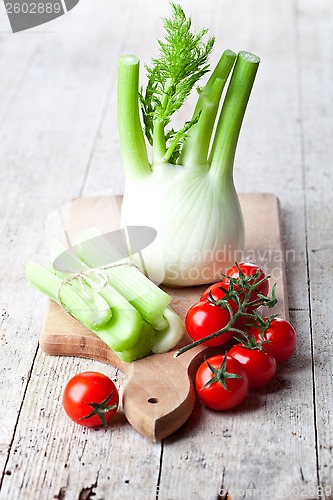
{"x": 228, "y": 311}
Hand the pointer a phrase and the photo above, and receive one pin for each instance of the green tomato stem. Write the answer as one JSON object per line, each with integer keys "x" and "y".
{"x": 242, "y": 306}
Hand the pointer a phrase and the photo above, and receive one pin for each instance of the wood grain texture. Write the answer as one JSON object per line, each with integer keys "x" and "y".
{"x": 317, "y": 129}
{"x": 58, "y": 140}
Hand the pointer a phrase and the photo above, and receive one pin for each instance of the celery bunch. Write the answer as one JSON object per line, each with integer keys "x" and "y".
{"x": 119, "y": 304}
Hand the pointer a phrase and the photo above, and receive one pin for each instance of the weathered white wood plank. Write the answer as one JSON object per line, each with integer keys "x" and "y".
{"x": 316, "y": 45}
{"x": 65, "y": 459}
{"x": 17, "y": 54}
{"x": 50, "y": 131}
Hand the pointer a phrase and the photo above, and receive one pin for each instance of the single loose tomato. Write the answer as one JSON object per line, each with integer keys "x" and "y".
{"x": 221, "y": 382}
{"x": 249, "y": 270}
{"x": 90, "y": 399}
{"x": 205, "y": 318}
{"x": 260, "y": 366}
{"x": 280, "y": 335}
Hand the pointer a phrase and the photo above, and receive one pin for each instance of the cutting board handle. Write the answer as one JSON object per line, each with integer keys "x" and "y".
{"x": 159, "y": 396}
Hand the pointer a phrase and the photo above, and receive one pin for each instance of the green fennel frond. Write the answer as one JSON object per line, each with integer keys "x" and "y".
{"x": 175, "y": 140}
{"x": 147, "y": 109}
{"x": 182, "y": 61}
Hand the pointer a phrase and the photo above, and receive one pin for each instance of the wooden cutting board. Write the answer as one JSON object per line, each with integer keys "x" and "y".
{"x": 159, "y": 395}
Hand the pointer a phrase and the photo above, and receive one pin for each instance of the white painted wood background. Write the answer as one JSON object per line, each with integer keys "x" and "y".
{"x": 58, "y": 140}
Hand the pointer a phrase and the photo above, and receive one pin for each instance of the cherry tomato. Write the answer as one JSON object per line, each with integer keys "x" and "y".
{"x": 216, "y": 385}
{"x": 90, "y": 399}
{"x": 260, "y": 366}
{"x": 249, "y": 270}
{"x": 205, "y": 318}
{"x": 243, "y": 323}
{"x": 281, "y": 336}
{"x": 218, "y": 294}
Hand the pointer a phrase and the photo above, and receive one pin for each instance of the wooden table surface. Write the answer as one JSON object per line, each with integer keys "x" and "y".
{"x": 58, "y": 140}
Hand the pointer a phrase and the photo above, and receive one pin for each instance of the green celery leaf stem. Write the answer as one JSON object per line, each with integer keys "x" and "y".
{"x": 178, "y": 137}
{"x": 133, "y": 146}
{"x": 159, "y": 143}
{"x": 232, "y": 114}
{"x": 196, "y": 145}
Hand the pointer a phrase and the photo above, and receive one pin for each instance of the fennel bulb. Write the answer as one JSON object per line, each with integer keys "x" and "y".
{"x": 187, "y": 192}
{"x": 199, "y": 223}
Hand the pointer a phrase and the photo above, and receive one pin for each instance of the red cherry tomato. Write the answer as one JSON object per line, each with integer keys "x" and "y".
{"x": 260, "y": 366}
{"x": 281, "y": 336}
{"x": 205, "y": 318}
{"x": 215, "y": 395}
{"x": 90, "y": 399}
{"x": 249, "y": 270}
{"x": 243, "y": 323}
{"x": 217, "y": 293}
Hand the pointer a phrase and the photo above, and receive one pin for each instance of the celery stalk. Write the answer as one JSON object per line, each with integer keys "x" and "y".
{"x": 143, "y": 346}
{"x": 123, "y": 330}
{"x": 129, "y": 281}
{"x": 170, "y": 336}
{"x": 92, "y": 311}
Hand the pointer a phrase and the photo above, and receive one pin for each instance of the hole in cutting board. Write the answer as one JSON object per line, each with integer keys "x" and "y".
{"x": 153, "y": 400}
